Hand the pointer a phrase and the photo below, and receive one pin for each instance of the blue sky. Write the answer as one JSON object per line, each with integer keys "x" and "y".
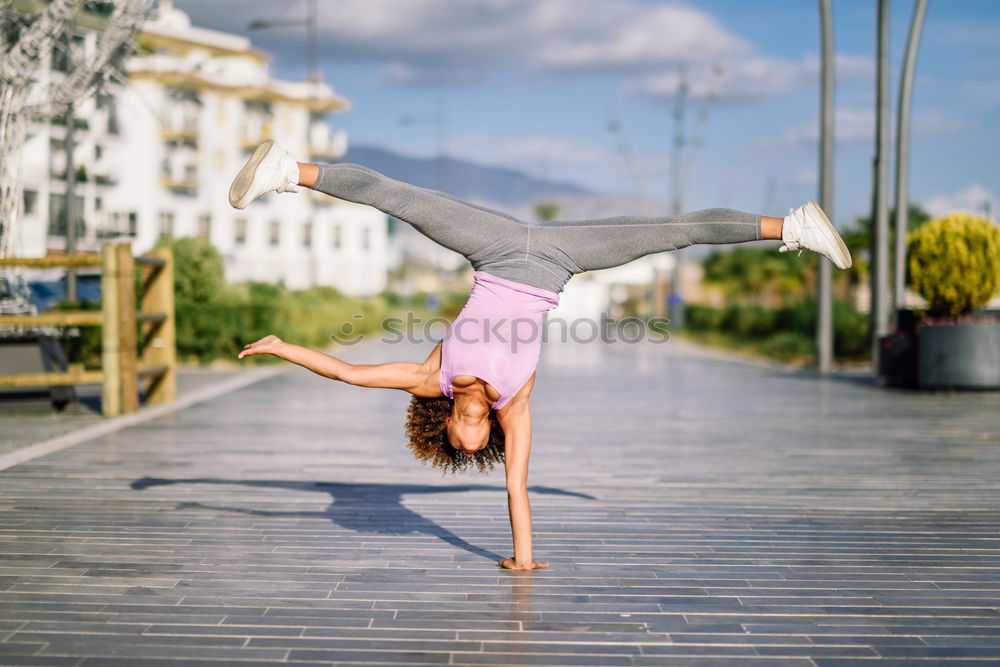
{"x": 533, "y": 84}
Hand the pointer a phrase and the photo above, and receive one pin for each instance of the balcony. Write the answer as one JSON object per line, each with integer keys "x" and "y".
{"x": 182, "y": 184}
{"x": 181, "y": 179}
{"x": 256, "y": 128}
{"x": 327, "y": 145}
{"x": 184, "y": 134}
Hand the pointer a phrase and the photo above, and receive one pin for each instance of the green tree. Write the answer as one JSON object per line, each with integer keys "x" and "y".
{"x": 546, "y": 211}
{"x": 762, "y": 276}
{"x": 202, "y": 302}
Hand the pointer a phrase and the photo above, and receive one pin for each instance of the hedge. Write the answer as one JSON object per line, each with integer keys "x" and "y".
{"x": 785, "y": 332}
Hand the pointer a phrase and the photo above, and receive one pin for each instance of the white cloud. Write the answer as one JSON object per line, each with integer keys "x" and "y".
{"x": 548, "y": 150}
{"x": 974, "y": 198}
{"x": 435, "y": 41}
{"x": 805, "y": 176}
{"x": 858, "y": 125}
{"x": 599, "y": 35}
{"x": 850, "y": 125}
{"x": 937, "y": 123}
{"x": 750, "y": 77}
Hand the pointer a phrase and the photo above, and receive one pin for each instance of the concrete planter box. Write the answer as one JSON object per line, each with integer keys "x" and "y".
{"x": 959, "y": 356}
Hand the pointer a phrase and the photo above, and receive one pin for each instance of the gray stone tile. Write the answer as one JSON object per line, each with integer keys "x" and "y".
{"x": 370, "y": 655}
{"x": 579, "y": 659}
{"x": 749, "y": 516}
{"x": 724, "y": 661}
{"x": 40, "y": 661}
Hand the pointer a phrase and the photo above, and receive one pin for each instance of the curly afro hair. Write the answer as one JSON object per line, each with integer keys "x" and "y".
{"x": 427, "y": 436}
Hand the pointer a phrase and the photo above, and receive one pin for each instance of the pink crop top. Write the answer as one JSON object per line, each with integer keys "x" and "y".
{"x": 497, "y": 337}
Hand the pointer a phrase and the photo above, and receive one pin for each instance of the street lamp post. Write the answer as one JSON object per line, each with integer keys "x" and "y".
{"x": 70, "y": 201}
{"x": 903, "y": 151}
{"x": 824, "y": 297}
{"x": 676, "y": 297}
{"x": 311, "y": 23}
{"x": 879, "y": 243}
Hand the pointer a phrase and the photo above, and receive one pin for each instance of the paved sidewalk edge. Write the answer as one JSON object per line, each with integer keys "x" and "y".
{"x": 68, "y": 440}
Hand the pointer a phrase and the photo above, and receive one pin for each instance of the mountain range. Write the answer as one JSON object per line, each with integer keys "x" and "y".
{"x": 501, "y": 186}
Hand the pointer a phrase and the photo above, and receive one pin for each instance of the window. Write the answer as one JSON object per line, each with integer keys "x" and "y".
{"x": 66, "y": 52}
{"x": 57, "y": 215}
{"x": 166, "y": 224}
{"x": 307, "y": 232}
{"x": 133, "y": 223}
{"x": 240, "y": 226}
{"x": 205, "y": 227}
{"x": 107, "y": 102}
{"x": 366, "y": 238}
{"x": 336, "y": 237}
{"x": 275, "y": 236}
{"x": 98, "y": 204}
{"x": 30, "y": 201}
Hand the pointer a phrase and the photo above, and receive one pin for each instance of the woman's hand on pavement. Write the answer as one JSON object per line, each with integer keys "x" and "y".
{"x": 266, "y": 345}
{"x": 511, "y": 564}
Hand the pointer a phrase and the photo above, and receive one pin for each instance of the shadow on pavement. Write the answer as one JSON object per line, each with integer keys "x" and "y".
{"x": 364, "y": 508}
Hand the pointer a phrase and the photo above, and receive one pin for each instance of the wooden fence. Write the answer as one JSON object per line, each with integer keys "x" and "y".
{"x": 136, "y": 345}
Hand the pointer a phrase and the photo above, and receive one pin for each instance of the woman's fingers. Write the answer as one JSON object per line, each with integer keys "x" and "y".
{"x": 257, "y": 347}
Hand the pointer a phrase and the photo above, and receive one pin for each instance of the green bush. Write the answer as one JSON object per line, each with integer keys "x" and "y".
{"x": 788, "y": 345}
{"x": 199, "y": 286}
{"x": 215, "y": 319}
{"x": 798, "y": 317}
{"x": 703, "y": 318}
{"x": 954, "y": 263}
{"x": 850, "y": 331}
{"x": 781, "y": 333}
{"x": 81, "y": 345}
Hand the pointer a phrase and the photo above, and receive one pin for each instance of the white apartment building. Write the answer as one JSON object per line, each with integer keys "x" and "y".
{"x": 156, "y": 157}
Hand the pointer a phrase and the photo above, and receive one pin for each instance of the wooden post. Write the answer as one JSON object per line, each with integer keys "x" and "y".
{"x": 129, "y": 361}
{"x": 111, "y": 404}
{"x": 120, "y": 392}
{"x": 158, "y": 297}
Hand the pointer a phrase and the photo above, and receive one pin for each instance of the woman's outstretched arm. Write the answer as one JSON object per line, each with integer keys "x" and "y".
{"x": 516, "y": 423}
{"x": 405, "y": 375}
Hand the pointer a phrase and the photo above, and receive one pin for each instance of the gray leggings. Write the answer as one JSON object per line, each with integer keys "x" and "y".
{"x": 545, "y": 255}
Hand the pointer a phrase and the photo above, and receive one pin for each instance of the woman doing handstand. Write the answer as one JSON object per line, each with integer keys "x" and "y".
{"x": 470, "y": 404}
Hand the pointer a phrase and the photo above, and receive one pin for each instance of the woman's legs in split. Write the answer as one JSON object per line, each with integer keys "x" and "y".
{"x": 770, "y": 228}
{"x": 593, "y": 244}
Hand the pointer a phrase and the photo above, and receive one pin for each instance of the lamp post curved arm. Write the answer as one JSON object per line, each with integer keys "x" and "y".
{"x": 903, "y": 150}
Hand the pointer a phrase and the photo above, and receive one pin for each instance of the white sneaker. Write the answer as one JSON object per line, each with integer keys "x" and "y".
{"x": 808, "y": 227}
{"x": 269, "y": 169}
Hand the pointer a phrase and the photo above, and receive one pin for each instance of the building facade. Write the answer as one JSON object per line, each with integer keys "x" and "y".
{"x": 155, "y": 157}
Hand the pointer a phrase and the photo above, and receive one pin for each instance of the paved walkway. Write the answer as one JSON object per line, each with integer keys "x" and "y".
{"x": 695, "y": 511}
{"x": 30, "y": 420}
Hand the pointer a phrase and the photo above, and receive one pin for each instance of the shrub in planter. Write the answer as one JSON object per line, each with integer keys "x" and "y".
{"x": 954, "y": 263}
